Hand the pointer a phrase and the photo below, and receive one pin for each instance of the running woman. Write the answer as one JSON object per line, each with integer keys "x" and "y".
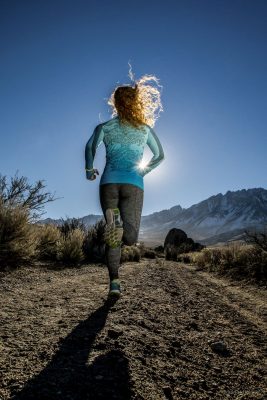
{"x": 135, "y": 109}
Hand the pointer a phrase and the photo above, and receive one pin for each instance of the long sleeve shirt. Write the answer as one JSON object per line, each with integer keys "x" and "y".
{"x": 124, "y": 151}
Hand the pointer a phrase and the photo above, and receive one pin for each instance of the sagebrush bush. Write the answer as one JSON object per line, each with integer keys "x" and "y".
{"x": 49, "y": 240}
{"x": 171, "y": 252}
{"x": 124, "y": 255}
{"x": 70, "y": 224}
{"x": 159, "y": 249}
{"x": 19, "y": 192}
{"x": 94, "y": 244}
{"x": 18, "y": 240}
{"x": 146, "y": 251}
{"x": 130, "y": 253}
{"x": 136, "y": 254}
{"x": 88, "y": 244}
{"x": 70, "y": 247}
{"x": 208, "y": 257}
{"x": 141, "y": 247}
{"x": 185, "y": 248}
{"x": 184, "y": 258}
{"x": 149, "y": 253}
{"x": 235, "y": 258}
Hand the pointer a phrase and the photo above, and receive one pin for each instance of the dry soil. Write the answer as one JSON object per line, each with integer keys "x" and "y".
{"x": 175, "y": 333}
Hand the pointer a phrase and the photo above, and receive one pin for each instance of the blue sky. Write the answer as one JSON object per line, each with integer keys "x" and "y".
{"x": 61, "y": 59}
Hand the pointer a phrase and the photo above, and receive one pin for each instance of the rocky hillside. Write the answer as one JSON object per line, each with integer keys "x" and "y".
{"x": 221, "y": 216}
{"x": 217, "y": 219}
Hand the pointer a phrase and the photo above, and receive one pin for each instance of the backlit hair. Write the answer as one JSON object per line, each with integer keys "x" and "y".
{"x": 137, "y": 104}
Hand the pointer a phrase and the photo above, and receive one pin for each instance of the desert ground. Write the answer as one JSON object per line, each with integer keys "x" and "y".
{"x": 177, "y": 332}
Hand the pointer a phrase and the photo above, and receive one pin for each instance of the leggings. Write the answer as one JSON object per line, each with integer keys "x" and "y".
{"x": 129, "y": 199}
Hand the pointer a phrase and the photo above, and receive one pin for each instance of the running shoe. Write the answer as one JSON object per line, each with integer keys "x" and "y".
{"x": 113, "y": 229}
{"x": 115, "y": 288}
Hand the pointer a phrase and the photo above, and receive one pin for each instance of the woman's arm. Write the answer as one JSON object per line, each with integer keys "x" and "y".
{"x": 90, "y": 148}
{"x": 156, "y": 148}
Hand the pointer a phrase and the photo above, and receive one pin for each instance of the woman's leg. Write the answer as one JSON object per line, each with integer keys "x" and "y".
{"x": 109, "y": 198}
{"x": 130, "y": 204}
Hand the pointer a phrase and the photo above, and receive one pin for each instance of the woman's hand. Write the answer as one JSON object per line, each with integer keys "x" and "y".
{"x": 91, "y": 175}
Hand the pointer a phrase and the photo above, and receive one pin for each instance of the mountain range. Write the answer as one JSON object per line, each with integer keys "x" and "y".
{"x": 219, "y": 218}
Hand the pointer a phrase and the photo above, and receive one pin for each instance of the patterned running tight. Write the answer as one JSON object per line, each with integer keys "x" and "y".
{"x": 129, "y": 199}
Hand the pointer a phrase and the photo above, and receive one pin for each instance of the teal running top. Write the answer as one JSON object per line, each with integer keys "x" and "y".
{"x": 124, "y": 151}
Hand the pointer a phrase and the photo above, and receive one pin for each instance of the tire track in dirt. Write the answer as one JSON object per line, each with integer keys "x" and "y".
{"x": 252, "y": 302}
{"x": 199, "y": 315}
{"x": 246, "y": 310}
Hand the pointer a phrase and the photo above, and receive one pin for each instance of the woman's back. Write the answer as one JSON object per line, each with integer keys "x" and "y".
{"x": 124, "y": 145}
{"x": 124, "y": 151}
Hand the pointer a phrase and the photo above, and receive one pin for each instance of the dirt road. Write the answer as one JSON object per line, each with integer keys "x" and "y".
{"x": 176, "y": 333}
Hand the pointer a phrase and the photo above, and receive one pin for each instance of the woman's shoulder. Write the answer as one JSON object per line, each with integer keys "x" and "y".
{"x": 106, "y": 125}
{"x": 114, "y": 122}
{"x": 110, "y": 122}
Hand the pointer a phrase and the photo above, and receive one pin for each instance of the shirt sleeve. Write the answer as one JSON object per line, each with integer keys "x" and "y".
{"x": 92, "y": 144}
{"x": 157, "y": 150}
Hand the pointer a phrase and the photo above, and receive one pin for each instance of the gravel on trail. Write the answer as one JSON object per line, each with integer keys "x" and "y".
{"x": 175, "y": 333}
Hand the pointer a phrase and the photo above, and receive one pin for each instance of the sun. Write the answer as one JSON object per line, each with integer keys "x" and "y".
{"x": 142, "y": 164}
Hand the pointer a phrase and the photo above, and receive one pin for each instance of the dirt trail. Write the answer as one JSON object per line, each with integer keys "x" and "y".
{"x": 61, "y": 339}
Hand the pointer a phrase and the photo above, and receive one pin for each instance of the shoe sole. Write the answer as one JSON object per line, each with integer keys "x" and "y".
{"x": 111, "y": 225}
{"x": 109, "y": 216}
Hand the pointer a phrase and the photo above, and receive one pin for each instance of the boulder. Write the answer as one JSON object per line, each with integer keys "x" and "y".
{"x": 177, "y": 242}
{"x": 175, "y": 237}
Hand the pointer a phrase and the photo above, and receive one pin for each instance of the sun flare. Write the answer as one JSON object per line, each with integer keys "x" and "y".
{"x": 142, "y": 164}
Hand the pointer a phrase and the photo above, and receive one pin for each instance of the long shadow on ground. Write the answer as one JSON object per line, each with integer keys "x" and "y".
{"x": 68, "y": 377}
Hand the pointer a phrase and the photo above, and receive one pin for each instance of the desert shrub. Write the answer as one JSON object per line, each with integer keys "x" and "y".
{"x": 228, "y": 256}
{"x": 136, "y": 254}
{"x": 257, "y": 238}
{"x": 149, "y": 253}
{"x": 215, "y": 258}
{"x": 171, "y": 252}
{"x": 19, "y": 192}
{"x": 202, "y": 258}
{"x": 88, "y": 244}
{"x": 130, "y": 253}
{"x": 48, "y": 244}
{"x": 141, "y": 247}
{"x": 124, "y": 254}
{"x": 177, "y": 253}
{"x": 94, "y": 244}
{"x": 249, "y": 255}
{"x": 251, "y": 260}
{"x": 231, "y": 255}
{"x": 146, "y": 252}
{"x": 70, "y": 224}
{"x": 185, "y": 248}
{"x": 99, "y": 229}
{"x": 70, "y": 247}
{"x": 159, "y": 249}
{"x": 18, "y": 240}
{"x": 184, "y": 258}
{"x": 209, "y": 258}
{"x": 234, "y": 259}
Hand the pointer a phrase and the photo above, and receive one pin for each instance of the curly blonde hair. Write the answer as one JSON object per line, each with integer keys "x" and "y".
{"x": 137, "y": 104}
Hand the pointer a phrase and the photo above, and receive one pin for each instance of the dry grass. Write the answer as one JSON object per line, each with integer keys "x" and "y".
{"x": 239, "y": 259}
